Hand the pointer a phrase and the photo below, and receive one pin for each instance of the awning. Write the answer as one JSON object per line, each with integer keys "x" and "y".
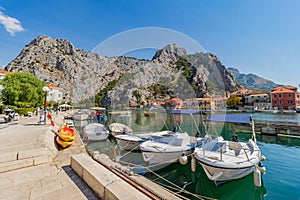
{"x": 65, "y": 106}
{"x": 233, "y": 118}
{"x": 185, "y": 112}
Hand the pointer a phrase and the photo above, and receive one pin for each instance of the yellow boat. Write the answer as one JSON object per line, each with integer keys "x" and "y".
{"x": 65, "y": 136}
{"x": 66, "y": 133}
{"x": 62, "y": 143}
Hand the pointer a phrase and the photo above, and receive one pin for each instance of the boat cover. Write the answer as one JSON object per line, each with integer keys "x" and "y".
{"x": 186, "y": 112}
{"x": 234, "y": 118}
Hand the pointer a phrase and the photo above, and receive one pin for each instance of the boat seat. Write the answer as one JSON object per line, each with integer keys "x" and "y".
{"x": 236, "y": 147}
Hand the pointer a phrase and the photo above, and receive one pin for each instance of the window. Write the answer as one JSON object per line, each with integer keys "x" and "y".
{"x": 280, "y": 102}
{"x": 275, "y": 95}
{"x": 279, "y": 96}
{"x": 290, "y": 95}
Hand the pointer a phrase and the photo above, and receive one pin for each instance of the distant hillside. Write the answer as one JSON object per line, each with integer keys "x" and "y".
{"x": 252, "y": 81}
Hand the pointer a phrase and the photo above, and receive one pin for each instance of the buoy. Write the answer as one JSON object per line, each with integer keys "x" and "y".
{"x": 257, "y": 177}
{"x": 261, "y": 168}
{"x": 193, "y": 164}
{"x": 183, "y": 159}
{"x": 262, "y": 158}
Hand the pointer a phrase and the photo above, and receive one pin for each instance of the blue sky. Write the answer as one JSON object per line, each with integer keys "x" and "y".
{"x": 260, "y": 37}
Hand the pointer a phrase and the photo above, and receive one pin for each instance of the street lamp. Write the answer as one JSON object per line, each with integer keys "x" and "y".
{"x": 46, "y": 90}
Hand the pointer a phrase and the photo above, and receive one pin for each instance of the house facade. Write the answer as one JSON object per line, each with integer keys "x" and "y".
{"x": 55, "y": 93}
{"x": 284, "y": 98}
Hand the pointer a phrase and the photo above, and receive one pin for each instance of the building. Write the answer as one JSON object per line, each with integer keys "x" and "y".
{"x": 174, "y": 103}
{"x": 206, "y": 103}
{"x": 241, "y": 93}
{"x": 284, "y": 98}
{"x": 3, "y": 73}
{"x": 55, "y": 93}
{"x": 260, "y": 100}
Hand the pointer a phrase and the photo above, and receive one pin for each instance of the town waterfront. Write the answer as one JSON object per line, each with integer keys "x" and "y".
{"x": 281, "y": 180}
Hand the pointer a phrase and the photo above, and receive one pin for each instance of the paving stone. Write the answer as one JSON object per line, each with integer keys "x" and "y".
{"x": 32, "y": 153}
{"x": 7, "y": 157}
{"x": 37, "y": 160}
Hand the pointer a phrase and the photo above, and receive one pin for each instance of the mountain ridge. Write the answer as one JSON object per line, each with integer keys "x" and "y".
{"x": 82, "y": 74}
{"x": 252, "y": 81}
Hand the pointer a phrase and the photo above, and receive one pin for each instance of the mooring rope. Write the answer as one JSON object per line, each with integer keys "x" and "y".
{"x": 173, "y": 185}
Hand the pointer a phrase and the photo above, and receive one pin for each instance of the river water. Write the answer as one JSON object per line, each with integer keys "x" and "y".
{"x": 281, "y": 181}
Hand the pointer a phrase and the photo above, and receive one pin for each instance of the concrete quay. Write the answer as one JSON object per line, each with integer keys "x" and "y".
{"x": 32, "y": 166}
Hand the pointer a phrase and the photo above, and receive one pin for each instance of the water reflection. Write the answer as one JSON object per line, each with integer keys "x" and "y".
{"x": 197, "y": 183}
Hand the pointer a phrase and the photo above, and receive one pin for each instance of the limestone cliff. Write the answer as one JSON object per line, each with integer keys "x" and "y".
{"x": 120, "y": 79}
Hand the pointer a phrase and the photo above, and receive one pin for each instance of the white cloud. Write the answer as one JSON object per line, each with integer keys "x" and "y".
{"x": 12, "y": 25}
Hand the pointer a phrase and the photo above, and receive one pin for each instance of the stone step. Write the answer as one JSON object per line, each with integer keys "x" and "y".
{"x": 21, "y": 159}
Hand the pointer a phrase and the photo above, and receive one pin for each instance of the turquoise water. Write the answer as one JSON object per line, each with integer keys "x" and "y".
{"x": 281, "y": 181}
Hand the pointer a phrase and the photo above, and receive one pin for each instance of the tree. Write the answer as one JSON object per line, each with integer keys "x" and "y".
{"x": 233, "y": 102}
{"x": 22, "y": 89}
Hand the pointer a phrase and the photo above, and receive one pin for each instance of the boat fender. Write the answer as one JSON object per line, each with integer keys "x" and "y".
{"x": 193, "y": 164}
{"x": 261, "y": 168}
{"x": 262, "y": 158}
{"x": 257, "y": 177}
{"x": 183, "y": 159}
{"x": 174, "y": 129}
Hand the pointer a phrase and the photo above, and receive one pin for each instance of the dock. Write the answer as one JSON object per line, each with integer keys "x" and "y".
{"x": 287, "y": 129}
{"x": 32, "y": 166}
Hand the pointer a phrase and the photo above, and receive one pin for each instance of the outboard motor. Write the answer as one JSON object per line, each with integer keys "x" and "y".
{"x": 235, "y": 138}
{"x": 197, "y": 134}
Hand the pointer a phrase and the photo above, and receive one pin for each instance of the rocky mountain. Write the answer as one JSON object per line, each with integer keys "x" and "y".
{"x": 88, "y": 77}
{"x": 252, "y": 81}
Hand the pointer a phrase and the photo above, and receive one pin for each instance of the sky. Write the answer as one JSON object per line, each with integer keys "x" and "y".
{"x": 260, "y": 37}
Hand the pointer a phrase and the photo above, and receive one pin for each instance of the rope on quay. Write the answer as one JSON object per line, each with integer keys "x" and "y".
{"x": 175, "y": 187}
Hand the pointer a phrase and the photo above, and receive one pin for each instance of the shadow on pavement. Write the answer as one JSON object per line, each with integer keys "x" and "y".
{"x": 85, "y": 189}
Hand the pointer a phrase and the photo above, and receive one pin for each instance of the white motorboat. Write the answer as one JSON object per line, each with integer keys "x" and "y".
{"x": 163, "y": 151}
{"x": 80, "y": 115}
{"x": 95, "y": 132}
{"x": 118, "y": 128}
{"x": 224, "y": 160}
{"x": 132, "y": 141}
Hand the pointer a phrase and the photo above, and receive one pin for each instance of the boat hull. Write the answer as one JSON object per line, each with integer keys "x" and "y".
{"x": 221, "y": 175}
{"x": 159, "y": 160}
{"x": 62, "y": 143}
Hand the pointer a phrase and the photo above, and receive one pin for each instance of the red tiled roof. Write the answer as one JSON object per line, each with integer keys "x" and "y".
{"x": 242, "y": 91}
{"x": 52, "y": 86}
{"x": 288, "y": 87}
{"x": 6, "y": 72}
{"x": 282, "y": 90}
